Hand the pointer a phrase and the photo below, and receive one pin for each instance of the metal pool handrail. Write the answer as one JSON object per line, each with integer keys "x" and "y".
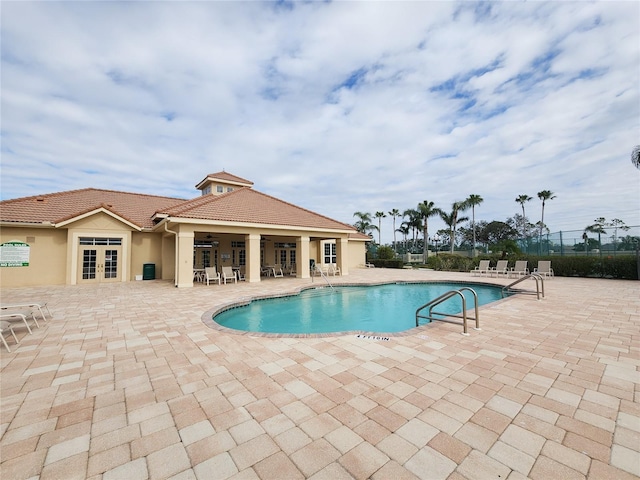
{"x": 446, "y": 296}
{"x": 539, "y": 286}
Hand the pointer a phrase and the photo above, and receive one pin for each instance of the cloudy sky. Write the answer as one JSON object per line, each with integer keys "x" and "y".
{"x": 337, "y": 107}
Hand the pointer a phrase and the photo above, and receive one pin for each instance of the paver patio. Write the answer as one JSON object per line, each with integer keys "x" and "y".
{"x": 127, "y": 382}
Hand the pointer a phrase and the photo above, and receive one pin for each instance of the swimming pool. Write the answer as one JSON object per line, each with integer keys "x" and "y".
{"x": 386, "y": 308}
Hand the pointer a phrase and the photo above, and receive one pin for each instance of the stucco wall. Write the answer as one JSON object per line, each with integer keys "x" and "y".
{"x": 47, "y": 257}
{"x": 145, "y": 248}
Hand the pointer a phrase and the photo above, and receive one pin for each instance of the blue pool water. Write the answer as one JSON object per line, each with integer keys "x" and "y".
{"x": 383, "y": 308}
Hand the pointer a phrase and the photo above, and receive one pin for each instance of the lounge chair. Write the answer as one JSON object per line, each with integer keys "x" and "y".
{"x": 500, "y": 268}
{"x": 211, "y": 275}
{"x": 228, "y": 274}
{"x": 277, "y": 271}
{"x": 18, "y": 317}
{"x": 520, "y": 269}
{"x": 544, "y": 268}
{"x": 334, "y": 269}
{"x": 4, "y": 327}
{"x": 482, "y": 268}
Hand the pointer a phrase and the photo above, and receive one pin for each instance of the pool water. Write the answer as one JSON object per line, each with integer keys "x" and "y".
{"x": 382, "y": 308}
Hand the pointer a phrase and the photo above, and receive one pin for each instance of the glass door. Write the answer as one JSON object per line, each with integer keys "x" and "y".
{"x": 99, "y": 260}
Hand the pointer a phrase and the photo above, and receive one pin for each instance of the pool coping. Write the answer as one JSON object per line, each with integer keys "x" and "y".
{"x": 208, "y": 316}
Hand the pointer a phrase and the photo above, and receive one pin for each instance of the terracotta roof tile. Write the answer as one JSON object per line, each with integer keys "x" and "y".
{"x": 57, "y": 207}
{"x": 225, "y": 177}
{"x": 243, "y": 205}
{"x": 246, "y": 205}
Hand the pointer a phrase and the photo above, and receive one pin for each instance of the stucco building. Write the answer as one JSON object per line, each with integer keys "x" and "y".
{"x": 93, "y": 235}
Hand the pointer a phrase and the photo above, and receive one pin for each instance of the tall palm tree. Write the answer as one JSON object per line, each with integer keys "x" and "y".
{"x": 426, "y": 210}
{"x": 597, "y": 227}
{"x": 380, "y": 216}
{"x": 363, "y": 225}
{"x": 522, "y": 199}
{"x": 472, "y": 202}
{"x": 404, "y": 230}
{"x": 394, "y": 213}
{"x": 452, "y": 220}
{"x": 413, "y": 222}
{"x": 544, "y": 195}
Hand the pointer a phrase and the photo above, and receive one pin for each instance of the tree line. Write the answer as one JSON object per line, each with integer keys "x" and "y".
{"x": 415, "y": 220}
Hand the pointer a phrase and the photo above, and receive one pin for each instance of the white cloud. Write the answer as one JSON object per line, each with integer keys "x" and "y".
{"x": 337, "y": 107}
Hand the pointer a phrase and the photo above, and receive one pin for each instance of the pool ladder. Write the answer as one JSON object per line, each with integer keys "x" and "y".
{"x": 322, "y": 274}
{"x": 539, "y": 286}
{"x": 436, "y": 301}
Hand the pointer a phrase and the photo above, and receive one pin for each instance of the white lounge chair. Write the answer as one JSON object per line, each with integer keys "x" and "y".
{"x": 334, "y": 269}
{"x": 229, "y": 274}
{"x": 211, "y": 275}
{"x": 18, "y": 317}
{"x": 520, "y": 269}
{"x": 500, "y": 268}
{"x": 277, "y": 271}
{"x": 4, "y": 327}
{"x": 482, "y": 268}
{"x": 544, "y": 268}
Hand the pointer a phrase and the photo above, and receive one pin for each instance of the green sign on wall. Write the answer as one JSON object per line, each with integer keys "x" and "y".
{"x": 14, "y": 254}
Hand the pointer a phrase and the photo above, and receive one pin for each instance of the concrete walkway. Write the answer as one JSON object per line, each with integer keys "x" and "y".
{"x": 127, "y": 382}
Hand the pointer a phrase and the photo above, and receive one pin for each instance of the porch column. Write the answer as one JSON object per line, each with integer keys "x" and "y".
{"x": 184, "y": 275}
{"x": 342, "y": 254}
{"x": 302, "y": 257}
{"x": 252, "y": 267}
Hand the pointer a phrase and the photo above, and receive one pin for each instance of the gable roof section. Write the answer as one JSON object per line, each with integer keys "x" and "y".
{"x": 246, "y": 205}
{"x": 62, "y": 207}
{"x": 226, "y": 178}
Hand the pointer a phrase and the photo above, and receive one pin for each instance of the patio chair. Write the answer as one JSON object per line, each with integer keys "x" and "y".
{"x": 211, "y": 275}
{"x": 334, "y": 269}
{"x": 482, "y": 268}
{"x": 277, "y": 271}
{"x": 544, "y": 268}
{"x": 520, "y": 269}
{"x": 228, "y": 274}
{"x": 4, "y": 327}
{"x": 18, "y": 317}
{"x": 500, "y": 268}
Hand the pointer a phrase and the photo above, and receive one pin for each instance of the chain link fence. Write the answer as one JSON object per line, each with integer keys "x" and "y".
{"x": 610, "y": 242}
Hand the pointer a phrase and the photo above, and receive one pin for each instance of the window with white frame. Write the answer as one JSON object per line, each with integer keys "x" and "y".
{"x": 330, "y": 255}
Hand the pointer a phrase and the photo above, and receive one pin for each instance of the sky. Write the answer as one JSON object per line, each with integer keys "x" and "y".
{"x": 336, "y": 107}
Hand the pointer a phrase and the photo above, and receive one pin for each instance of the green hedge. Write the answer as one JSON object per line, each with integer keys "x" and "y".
{"x": 447, "y": 261}
{"x": 618, "y": 266}
{"x": 395, "y": 263}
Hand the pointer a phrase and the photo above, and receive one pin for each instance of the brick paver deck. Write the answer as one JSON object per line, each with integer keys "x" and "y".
{"x": 127, "y": 382}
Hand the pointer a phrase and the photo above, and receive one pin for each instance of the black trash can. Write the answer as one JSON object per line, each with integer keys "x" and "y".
{"x": 149, "y": 271}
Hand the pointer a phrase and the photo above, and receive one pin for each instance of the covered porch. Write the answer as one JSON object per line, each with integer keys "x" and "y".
{"x": 254, "y": 252}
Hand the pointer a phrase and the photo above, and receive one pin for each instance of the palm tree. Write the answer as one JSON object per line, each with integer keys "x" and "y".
{"x": 363, "y": 225}
{"x": 472, "y": 202}
{"x": 597, "y": 227}
{"x": 635, "y": 156}
{"x": 413, "y": 222}
{"x": 394, "y": 213}
{"x": 404, "y": 230}
{"x": 426, "y": 210}
{"x": 522, "y": 199}
{"x": 380, "y": 216}
{"x": 544, "y": 195}
{"x": 452, "y": 220}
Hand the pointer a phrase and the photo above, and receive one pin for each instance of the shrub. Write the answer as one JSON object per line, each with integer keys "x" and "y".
{"x": 386, "y": 253}
{"x": 394, "y": 263}
{"x": 447, "y": 261}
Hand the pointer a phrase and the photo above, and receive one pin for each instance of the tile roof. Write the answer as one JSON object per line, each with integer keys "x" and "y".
{"x": 247, "y": 205}
{"x": 225, "y": 177}
{"x": 58, "y": 207}
{"x": 243, "y": 205}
